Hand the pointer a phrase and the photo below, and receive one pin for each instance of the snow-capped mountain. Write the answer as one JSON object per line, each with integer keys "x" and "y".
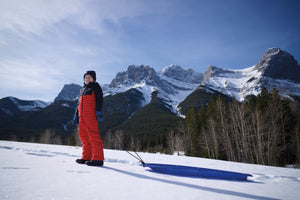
{"x": 142, "y": 92}
{"x": 11, "y": 105}
{"x": 29, "y": 105}
{"x": 177, "y": 73}
{"x": 276, "y": 69}
{"x": 173, "y": 83}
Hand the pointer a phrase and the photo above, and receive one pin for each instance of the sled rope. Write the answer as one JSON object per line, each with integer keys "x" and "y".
{"x": 136, "y": 156}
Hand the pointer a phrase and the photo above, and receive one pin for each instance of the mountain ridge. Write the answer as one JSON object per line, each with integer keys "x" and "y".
{"x": 275, "y": 69}
{"x": 174, "y": 88}
{"x": 10, "y": 106}
{"x": 171, "y": 87}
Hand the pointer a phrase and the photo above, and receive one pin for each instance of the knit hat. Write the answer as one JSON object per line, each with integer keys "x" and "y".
{"x": 91, "y": 73}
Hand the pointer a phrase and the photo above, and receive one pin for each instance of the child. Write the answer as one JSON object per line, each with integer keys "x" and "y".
{"x": 87, "y": 115}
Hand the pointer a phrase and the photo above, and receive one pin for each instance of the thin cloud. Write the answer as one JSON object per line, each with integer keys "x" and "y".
{"x": 33, "y": 16}
{"x": 59, "y": 40}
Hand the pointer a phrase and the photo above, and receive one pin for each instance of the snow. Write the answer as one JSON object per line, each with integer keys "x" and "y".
{"x": 66, "y": 105}
{"x": 145, "y": 89}
{"x": 273, "y": 51}
{"x": 177, "y": 97}
{"x": 236, "y": 83}
{"x": 39, "y": 171}
{"x": 249, "y": 81}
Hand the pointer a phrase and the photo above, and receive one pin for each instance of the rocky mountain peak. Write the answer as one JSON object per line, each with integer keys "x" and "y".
{"x": 208, "y": 73}
{"x": 187, "y": 75}
{"x": 278, "y": 64}
{"x": 133, "y": 74}
{"x": 70, "y": 92}
{"x": 214, "y": 71}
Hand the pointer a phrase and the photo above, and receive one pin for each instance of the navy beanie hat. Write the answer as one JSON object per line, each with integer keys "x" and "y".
{"x": 91, "y": 73}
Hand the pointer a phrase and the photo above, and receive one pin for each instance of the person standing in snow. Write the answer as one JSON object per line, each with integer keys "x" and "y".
{"x": 87, "y": 116}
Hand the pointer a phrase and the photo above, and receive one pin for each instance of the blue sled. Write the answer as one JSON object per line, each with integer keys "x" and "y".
{"x": 180, "y": 170}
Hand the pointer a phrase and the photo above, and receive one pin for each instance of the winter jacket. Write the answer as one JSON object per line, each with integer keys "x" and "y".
{"x": 90, "y": 101}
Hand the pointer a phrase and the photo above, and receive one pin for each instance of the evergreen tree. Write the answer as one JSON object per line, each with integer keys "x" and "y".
{"x": 191, "y": 124}
{"x": 203, "y": 147}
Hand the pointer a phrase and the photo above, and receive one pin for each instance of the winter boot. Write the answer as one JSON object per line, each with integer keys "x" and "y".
{"x": 95, "y": 163}
{"x": 81, "y": 161}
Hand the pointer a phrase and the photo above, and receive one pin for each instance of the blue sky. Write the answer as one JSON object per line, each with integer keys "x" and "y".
{"x": 46, "y": 44}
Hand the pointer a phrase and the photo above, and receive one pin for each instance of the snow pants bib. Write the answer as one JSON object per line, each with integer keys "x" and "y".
{"x": 92, "y": 145}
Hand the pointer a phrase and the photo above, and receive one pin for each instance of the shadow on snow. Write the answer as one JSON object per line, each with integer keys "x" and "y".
{"x": 210, "y": 189}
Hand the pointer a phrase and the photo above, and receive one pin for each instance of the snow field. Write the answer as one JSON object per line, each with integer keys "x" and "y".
{"x": 38, "y": 171}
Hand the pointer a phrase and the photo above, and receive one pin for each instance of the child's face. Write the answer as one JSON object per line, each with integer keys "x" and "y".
{"x": 88, "y": 79}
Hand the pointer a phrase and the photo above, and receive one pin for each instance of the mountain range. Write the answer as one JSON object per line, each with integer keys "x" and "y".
{"x": 276, "y": 69}
{"x": 150, "y": 94}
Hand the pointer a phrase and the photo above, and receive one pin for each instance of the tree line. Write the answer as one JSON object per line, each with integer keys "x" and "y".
{"x": 262, "y": 130}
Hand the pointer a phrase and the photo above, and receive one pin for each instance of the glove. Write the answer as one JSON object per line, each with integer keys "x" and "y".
{"x": 99, "y": 116}
{"x": 75, "y": 121}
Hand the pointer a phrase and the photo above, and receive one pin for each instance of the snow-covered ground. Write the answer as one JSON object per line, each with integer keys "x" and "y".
{"x": 38, "y": 171}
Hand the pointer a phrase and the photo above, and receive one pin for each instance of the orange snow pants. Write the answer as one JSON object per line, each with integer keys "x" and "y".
{"x": 92, "y": 145}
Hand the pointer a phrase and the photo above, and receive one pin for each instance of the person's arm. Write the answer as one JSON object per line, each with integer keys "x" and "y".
{"x": 99, "y": 97}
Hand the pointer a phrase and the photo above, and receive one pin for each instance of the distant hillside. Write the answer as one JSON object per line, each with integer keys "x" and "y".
{"x": 150, "y": 125}
{"x": 201, "y": 96}
{"x": 27, "y": 124}
{"x": 10, "y": 106}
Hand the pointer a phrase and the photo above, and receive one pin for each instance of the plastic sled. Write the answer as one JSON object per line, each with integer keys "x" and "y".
{"x": 180, "y": 170}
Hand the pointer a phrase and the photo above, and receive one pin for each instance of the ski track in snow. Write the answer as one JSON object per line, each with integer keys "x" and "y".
{"x": 38, "y": 171}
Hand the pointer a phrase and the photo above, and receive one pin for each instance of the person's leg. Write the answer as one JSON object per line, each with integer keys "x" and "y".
{"x": 95, "y": 140}
{"x": 84, "y": 138}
